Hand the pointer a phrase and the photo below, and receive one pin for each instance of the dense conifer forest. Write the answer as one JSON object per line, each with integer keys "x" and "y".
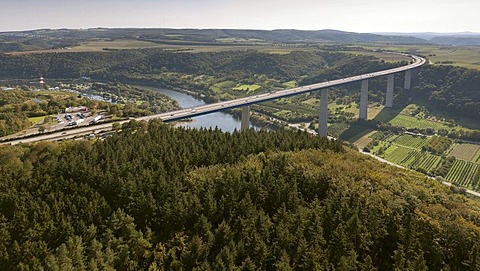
{"x": 153, "y": 197}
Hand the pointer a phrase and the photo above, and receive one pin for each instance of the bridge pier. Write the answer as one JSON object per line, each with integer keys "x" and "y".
{"x": 245, "y": 123}
{"x": 390, "y": 86}
{"x": 363, "y": 100}
{"x": 408, "y": 80}
{"x": 322, "y": 119}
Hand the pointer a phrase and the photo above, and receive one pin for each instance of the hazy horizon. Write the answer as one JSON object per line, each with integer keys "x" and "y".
{"x": 259, "y": 29}
{"x": 364, "y": 16}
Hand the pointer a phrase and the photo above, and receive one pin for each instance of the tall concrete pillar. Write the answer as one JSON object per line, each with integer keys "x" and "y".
{"x": 245, "y": 124}
{"x": 390, "y": 86}
{"x": 322, "y": 120}
{"x": 408, "y": 80}
{"x": 363, "y": 100}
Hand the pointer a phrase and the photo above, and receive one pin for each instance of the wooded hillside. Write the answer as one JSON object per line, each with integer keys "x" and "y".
{"x": 159, "y": 198}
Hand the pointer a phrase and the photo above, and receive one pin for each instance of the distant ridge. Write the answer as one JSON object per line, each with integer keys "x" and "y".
{"x": 454, "y": 38}
{"x": 57, "y": 38}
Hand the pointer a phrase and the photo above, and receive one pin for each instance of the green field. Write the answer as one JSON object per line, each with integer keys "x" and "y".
{"x": 381, "y": 55}
{"x": 247, "y": 88}
{"x": 413, "y": 122}
{"x": 403, "y": 118}
{"x": 463, "y": 56}
{"x": 399, "y": 155}
{"x": 414, "y": 159}
{"x": 36, "y": 120}
{"x": 415, "y": 142}
{"x": 462, "y": 173}
{"x": 290, "y": 84}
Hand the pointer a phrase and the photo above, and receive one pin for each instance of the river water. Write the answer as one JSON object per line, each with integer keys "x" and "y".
{"x": 223, "y": 121}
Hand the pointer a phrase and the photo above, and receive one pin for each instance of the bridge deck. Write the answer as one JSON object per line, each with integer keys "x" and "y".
{"x": 241, "y": 102}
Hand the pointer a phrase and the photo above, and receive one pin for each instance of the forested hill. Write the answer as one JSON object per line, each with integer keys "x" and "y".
{"x": 126, "y": 63}
{"x": 451, "y": 89}
{"x": 159, "y": 198}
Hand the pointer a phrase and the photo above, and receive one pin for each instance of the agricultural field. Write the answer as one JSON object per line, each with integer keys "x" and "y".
{"x": 239, "y": 40}
{"x": 463, "y": 173}
{"x": 391, "y": 138}
{"x": 426, "y": 162}
{"x": 467, "y": 152}
{"x": 101, "y": 45}
{"x": 404, "y": 118}
{"x": 364, "y": 140}
{"x": 247, "y": 88}
{"x": 399, "y": 155}
{"x": 36, "y": 120}
{"x": 290, "y": 84}
{"x": 407, "y": 150}
{"x": 462, "y": 56}
{"x": 411, "y": 158}
{"x": 477, "y": 157}
{"x": 415, "y": 142}
{"x": 381, "y": 55}
{"x": 373, "y": 111}
{"x": 418, "y": 123}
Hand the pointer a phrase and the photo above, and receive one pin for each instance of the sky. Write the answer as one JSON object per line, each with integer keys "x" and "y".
{"x": 346, "y": 15}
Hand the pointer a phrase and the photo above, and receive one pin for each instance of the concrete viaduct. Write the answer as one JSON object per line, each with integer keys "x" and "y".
{"x": 245, "y": 102}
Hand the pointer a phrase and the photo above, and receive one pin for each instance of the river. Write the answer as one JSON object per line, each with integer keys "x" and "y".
{"x": 223, "y": 121}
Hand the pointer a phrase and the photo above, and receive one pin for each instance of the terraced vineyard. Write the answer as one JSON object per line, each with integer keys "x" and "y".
{"x": 414, "y": 152}
{"x": 462, "y": 172}
{"x": 415, "y": 142}
{"x": 399, "y": 155}
{"x": 411, "y": 157}
{"x": 426, "y": 161}
{"x": 390, "y": 138}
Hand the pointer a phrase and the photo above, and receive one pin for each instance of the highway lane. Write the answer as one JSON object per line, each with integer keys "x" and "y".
{"x": 210, "y": 108}
{"x": 66, "y": 134}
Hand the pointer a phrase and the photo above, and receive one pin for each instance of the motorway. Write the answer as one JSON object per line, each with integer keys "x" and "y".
{"x": 214, "y": 107}
{"x": 241, "y": 102}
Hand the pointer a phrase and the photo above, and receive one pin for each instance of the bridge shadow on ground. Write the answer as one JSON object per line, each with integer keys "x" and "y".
{"x": 360, "y": 129}
{"x": 355, "y": 132}
{"x": 388, "y": 114}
